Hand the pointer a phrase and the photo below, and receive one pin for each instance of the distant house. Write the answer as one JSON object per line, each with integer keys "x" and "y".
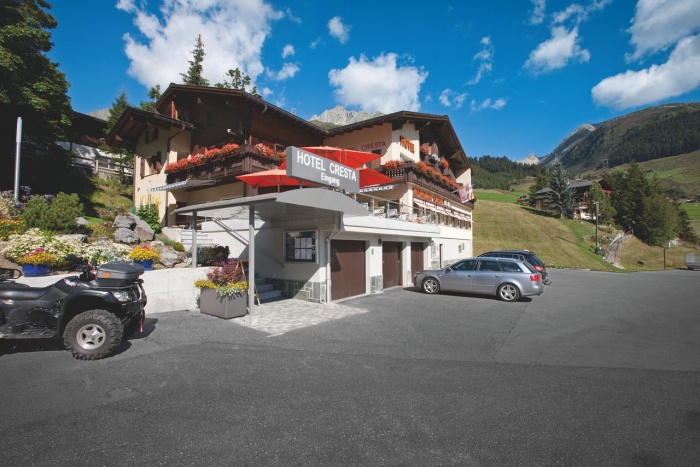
{"x": 580, "y": 189}
{"x": 86, "y": 136}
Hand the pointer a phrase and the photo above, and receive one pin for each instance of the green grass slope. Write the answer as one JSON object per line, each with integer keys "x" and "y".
{"x": 565, "y": 243}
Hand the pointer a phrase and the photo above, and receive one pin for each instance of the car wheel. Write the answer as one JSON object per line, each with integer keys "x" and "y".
{"x": 431, "y": 285}
{"x": 508, "y": 293}
{"x": 92, "y": 335}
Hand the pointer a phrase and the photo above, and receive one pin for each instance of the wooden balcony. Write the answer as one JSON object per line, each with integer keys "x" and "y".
{"x": 226, "y": 169}
{"x": 409, "y": 173}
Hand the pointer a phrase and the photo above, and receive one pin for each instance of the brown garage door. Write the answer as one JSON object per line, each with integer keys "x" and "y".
{"x": 347, "y": 268}
{"x": 391, "y": 264}
{"x": 417, "y": 257}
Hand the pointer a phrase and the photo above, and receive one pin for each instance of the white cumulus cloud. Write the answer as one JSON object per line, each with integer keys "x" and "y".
{"x": 659, "y": 24}
{"x": 380, "y": 84}
{"x": 564, "y": 46}
{"x": 233, "y": 33}
{"x": 288, "y": 51}
{"x": 337, "y": 29}
{"x": 288, "y": 71}
{"x": 557, "y": 52}
{"x": 656, "y": 83}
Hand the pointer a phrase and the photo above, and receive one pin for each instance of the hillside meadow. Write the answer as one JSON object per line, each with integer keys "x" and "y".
{"x": 500, "y": 223}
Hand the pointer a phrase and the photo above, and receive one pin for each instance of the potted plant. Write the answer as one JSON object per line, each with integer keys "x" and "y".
{"x": 223, "y": 292}
{"x": 37, "y": 262}
{"x": 144, "y": 255}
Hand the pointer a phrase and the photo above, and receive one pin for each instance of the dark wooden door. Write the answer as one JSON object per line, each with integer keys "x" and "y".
{"x": 347, "y": 269}
{"x": 417, "y": 257}
{"x": 391, "y": 264}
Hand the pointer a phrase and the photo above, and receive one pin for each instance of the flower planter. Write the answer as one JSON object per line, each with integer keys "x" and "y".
{"x": 147, "y": 264}
{"x": 34, "y": 270}
{"x": 211, "y": 303}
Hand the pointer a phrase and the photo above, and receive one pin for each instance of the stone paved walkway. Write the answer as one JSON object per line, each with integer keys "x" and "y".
{"x": 279, "y": 317}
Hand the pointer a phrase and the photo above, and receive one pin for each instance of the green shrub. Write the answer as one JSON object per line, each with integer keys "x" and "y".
{"x": 149, "y": 214}
{"x": 98, "y": 230}
{"x": 58, "y": 215}
{"x": 211, "y": 255}
{"x": 9, "y": 227}
{"x": 177, "y": 246}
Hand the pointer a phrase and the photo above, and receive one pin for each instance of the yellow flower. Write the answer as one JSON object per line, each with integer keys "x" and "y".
{"x": 144, "y": 253}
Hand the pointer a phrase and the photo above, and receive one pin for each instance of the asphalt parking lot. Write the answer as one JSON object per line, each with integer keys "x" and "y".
{"x": 603, "y": 369}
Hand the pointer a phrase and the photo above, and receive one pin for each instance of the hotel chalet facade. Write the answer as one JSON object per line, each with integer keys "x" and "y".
{"x": 317, "y": 243}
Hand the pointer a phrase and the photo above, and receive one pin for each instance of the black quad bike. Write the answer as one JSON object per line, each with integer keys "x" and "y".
{"x": 92, "y": 311}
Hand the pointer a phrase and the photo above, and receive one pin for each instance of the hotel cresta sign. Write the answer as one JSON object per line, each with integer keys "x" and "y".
{"x": 316, "y": 169}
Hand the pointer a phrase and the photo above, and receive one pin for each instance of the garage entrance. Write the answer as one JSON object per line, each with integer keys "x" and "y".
{"x": 417, "y": 257}
{"x": 347, "y": 268}
{"x": 391, "y": 264}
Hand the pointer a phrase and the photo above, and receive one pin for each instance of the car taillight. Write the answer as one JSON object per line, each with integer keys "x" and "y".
{"x": 535, "y": 277}
{"x": 538, "y": 268}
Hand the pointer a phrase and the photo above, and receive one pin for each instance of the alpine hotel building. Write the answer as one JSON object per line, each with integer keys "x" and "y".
{"x": 315, "y": 240}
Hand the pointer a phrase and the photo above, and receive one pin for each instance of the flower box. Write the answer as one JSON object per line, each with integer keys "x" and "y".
{"x": 146, "y": 263}
{"x": 35, "y": 270}
{"x": 214, "y": 304}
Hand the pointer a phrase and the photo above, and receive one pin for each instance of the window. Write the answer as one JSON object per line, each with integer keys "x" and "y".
{"x": 300, "y": 246}
{"x": 489, "y": 266}
{"x": 510, "y": 267}
{"x": 154, "y": 163}
{"x": 467, "y": 265}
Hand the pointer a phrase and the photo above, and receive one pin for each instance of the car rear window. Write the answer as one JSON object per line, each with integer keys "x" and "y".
{"x": 510, "y": 267}
{"x": 530, "y": 268}
{"x": 535, "y": 260}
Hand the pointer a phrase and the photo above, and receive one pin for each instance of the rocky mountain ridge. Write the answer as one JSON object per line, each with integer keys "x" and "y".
{"x": 340, "y": 116}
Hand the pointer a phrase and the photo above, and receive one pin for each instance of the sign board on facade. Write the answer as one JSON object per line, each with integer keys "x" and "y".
{"x": 316, "y": 169}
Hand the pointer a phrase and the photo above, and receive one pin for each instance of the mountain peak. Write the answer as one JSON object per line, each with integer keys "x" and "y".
{"x": 340, "y": 116}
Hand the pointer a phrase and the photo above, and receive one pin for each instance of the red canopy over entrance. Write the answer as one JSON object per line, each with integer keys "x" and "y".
{"x": 274, "y": 177}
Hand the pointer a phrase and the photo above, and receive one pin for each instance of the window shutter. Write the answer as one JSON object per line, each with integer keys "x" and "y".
{"x": 159, "y": 163}
{"x": 143, "y": 167}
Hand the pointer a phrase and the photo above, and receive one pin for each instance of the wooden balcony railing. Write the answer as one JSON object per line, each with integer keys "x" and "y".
{"x": 409, "y": 173}
{"x": 246, "y": 160}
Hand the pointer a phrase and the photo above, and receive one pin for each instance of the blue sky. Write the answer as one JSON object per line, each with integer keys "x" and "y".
{"x": 514, "y": 76}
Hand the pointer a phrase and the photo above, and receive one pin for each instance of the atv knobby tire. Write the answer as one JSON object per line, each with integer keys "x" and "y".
{"x": 92, "y": 335}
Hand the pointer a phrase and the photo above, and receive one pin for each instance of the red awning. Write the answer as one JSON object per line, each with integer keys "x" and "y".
{"x": 274, "y": 177}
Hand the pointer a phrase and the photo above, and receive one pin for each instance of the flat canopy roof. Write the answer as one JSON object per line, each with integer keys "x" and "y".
{"x": 294, "y": 204}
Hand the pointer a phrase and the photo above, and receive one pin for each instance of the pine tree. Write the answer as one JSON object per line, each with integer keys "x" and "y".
{"x": 31, "y": 86}
{"x": 194, "y": 77}
{"x": 560, "y": 198}
{"x": 118, "y": 107}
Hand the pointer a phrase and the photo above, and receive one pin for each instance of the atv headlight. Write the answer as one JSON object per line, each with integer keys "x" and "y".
{"x": 122, "y": 295}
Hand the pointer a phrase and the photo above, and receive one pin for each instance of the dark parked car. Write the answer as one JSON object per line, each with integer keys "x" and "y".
{"x": 524, "y": 255}
{"x": 508, "y": 279}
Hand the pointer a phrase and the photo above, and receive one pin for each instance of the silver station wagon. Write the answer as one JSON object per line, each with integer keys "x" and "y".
{"x": 508, "y": 279}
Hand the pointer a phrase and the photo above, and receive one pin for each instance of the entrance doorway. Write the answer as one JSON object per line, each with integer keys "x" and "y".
{"x": 347, "y": 268}
{"x": 391, "y": 264}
